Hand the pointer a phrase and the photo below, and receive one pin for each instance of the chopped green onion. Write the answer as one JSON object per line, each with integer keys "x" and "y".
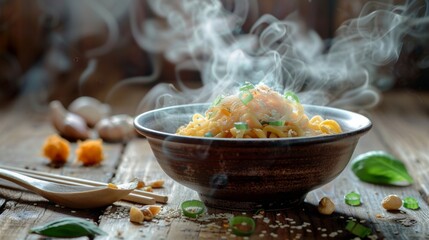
{"x": 217, "y": 100}
{"x": 291, "y": 96}
{"x": 241, "y": 126}
{"x": 193, "y": 208}
{"x": 242, "y": 225}
{"x": 352, "y": 199}
{"x": 245, "y": 97}
{"x": 208, "y": 134}
{"x": 277, "y": 123}
{"x": 358, "y": 229}
{"x": 247, "y": 86}
{"x": 411, "y": 203}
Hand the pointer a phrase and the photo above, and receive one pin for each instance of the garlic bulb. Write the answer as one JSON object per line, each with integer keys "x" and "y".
{"x": 69, "y": 125}
{"x": 116, "y": 128}
{"x": 90, "y": 109}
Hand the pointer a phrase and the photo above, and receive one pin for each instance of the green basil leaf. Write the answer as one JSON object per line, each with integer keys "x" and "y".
{"x": 68, "y": 228}
{"x": 381, "y": 168}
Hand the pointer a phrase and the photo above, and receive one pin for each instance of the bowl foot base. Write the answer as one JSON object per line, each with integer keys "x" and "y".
{"x": 266, "y": 204}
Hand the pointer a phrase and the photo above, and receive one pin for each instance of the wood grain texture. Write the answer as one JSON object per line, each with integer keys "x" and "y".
{"x": 23, "y": 131}
{"x": 407, "y": 137}
{"x": 400, "y": 127}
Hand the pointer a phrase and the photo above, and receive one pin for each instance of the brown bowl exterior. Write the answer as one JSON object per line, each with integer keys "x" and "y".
{"x": 249, "y": 174}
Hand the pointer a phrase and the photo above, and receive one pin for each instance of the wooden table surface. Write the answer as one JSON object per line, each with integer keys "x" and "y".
{"x": 401, "y": 127}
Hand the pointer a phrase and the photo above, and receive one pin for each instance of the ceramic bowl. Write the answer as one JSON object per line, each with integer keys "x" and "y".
{"x": 249, "y": 174}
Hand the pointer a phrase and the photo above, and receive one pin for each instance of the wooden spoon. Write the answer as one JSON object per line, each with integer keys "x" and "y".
{"x": 68, "y": 195}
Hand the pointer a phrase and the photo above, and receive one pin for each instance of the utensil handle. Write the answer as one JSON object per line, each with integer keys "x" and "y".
{"x": 21, "y": 180}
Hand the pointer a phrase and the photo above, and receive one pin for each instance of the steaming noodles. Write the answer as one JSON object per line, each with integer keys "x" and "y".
{"x": 258, "y": 112}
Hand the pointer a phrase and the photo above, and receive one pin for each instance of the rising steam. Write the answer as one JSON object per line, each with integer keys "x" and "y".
{"x": 207, "y": 37}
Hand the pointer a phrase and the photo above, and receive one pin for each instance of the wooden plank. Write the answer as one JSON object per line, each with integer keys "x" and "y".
{"x": 391, "y": 225}
{"x": 391, "y": 121}
{"x": 399, "y": 124}
{"x": 23, "y": 131}
{"x": 408, "y": 136}
{"x": 21, "y": 142}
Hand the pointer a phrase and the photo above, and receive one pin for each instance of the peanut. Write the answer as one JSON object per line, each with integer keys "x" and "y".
{"x": 136, "y": 216}
{"x": 154, "y": 209}
{"x": 146, "y": 213}
{"x": 391, "y": 202}
{"x": 326, "y": 206}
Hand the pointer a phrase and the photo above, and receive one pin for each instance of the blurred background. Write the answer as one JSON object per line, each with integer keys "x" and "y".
{"x": 62, "y": 49}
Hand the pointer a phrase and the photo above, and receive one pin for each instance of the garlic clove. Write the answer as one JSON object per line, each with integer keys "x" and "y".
{"x": 90, "y": 109}
{"x": 116, "y": 128}
{"x": 69, "y": 125}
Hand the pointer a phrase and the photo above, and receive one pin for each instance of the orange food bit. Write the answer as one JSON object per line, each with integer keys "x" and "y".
{"x": 148, "y": 188}
{"x": 56, "y": 149}
{"x": 225, "y": 112}
{"x": 112, "y": 186}
{"x": 156, "y": 184}
{"x": 90, "y": 152}
{"x": 140, "y": 184}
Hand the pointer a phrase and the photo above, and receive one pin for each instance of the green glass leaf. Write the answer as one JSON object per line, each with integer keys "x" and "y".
{"x": 381, "y": 168}
{"x": 68, "y": 228}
